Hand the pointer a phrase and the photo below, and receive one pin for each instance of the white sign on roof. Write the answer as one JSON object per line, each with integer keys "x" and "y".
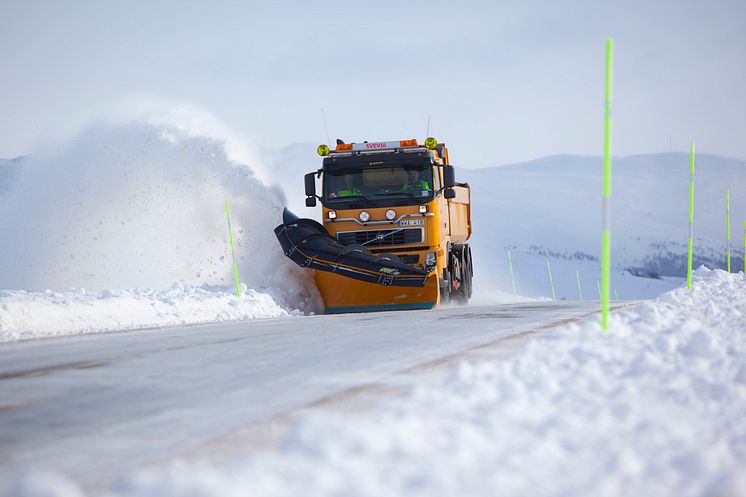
{"x": 376, "y": 145}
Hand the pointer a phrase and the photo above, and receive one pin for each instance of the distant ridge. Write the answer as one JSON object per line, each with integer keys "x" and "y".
{"x": 664, "y": 157}
{"x": 552, "y": 206}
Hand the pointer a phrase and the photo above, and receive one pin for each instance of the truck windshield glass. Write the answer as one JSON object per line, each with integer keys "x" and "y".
{"x": 379, "y": 185}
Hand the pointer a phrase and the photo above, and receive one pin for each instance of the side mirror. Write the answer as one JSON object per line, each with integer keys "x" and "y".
{"x": 310, "y": 185}
{"x": 449, "y": 178}
{"x": 448, "y": 193}
{"x": 310, "y": 189}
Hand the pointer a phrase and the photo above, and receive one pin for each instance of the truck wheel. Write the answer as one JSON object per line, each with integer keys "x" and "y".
{"x": 469, "y": 271}
{"x": 459, "y": 275}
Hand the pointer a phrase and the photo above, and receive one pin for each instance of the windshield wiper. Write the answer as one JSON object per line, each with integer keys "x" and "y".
{"x": 391, "y": 194}
{"x": 348, "y": 197}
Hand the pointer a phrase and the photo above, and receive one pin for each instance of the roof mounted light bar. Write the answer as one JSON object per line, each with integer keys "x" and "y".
{"x": 324, "y": 150}
{"x": 358, "y": 147}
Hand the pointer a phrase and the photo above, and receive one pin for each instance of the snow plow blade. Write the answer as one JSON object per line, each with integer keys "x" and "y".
{"x": 308, "y": 244}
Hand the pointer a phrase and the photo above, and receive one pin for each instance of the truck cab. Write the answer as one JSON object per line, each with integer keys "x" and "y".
{"x": 397, "y": 198}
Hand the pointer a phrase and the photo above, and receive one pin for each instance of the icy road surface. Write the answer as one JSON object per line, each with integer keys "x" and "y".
{"x": 97, "y": 406}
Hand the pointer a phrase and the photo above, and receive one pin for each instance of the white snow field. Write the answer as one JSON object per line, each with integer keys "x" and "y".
{"x": 655, "y": 406}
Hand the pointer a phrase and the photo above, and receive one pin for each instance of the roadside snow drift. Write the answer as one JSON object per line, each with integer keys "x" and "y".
{"x": 25, "y": 315}
{"x": 139, "y": 202}
{"x": 655, "y": 406}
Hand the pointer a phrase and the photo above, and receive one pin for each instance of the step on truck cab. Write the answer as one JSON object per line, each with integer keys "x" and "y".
{"x": 394, "y": 227}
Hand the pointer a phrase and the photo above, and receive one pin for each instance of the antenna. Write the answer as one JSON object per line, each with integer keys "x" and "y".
{"x": 427, "y": 134}
{"x": 323, "y": 116}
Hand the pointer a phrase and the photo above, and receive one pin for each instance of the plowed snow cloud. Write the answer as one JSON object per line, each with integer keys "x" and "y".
{"x": 139, "y": 202}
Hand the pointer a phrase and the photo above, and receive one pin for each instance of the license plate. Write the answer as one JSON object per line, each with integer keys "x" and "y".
{"x": 411, "y": 222}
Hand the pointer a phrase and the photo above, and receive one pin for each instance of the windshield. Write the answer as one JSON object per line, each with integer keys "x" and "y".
{"x": 352, "y": 187}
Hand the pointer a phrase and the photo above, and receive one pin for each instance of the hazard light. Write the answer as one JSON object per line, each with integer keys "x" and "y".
{"x": 344, "y": 146}
{"x": 408, "y": 143}
{"x": 322, "y": 150}
{"x": 431, "y": 143}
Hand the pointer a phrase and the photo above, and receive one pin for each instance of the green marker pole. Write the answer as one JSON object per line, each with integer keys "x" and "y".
{"x": 233, "y": 250}
{"x": 727, "y": 228}
{"x": 606, "y": 197}
{"x": 551, "y": 282}
{"x": 512, "y": 279}
{"x": 580, "y": 290}
{"x": 691, "y": 221}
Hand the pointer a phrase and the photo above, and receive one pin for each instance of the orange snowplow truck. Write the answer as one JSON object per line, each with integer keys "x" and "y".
{"x": 393, "y": 231}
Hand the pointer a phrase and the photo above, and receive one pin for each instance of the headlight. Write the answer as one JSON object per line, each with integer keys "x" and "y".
{"x": 364, "y": 216}
{"x": 332, "y": 214}
{"x": 423, "y": 209}
{"x": 430, "y": 261}
{"x": 390, "y": 214}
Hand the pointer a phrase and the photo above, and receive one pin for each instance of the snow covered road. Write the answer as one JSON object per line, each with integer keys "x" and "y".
{"x": 95, "y": 407}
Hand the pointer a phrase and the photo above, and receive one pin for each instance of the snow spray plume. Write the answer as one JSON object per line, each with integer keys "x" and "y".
{"x": 138, "y": 204}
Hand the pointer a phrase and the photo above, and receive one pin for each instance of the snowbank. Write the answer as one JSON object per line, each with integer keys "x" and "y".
{"x": 656, "y": 406}
{"x": 25, "y": 315}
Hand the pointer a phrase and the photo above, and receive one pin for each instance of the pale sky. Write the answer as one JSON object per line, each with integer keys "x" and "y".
{"x": 503, "y": 81}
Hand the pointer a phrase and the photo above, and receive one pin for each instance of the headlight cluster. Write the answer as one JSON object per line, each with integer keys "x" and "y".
{"x": 429, "y": 261}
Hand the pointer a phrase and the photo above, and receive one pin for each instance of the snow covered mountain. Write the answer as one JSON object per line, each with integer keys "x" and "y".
{"x": 536, "y": 205}
{"x": 551, "y": 209}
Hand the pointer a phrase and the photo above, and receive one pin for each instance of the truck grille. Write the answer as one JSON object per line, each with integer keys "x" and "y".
{"x": 381, "y": 238}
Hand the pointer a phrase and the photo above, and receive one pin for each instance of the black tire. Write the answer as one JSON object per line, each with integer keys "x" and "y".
{"x": 459, "y": 275}
{"x": 469, "y": 272}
